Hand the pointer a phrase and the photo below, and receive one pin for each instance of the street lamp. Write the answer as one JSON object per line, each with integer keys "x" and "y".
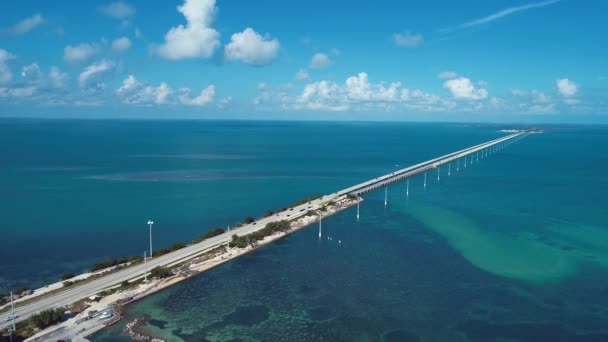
{"x": 150, "y": 223}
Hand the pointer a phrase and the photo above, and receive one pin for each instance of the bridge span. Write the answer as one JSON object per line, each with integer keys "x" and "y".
{"x": 482, "y": 150}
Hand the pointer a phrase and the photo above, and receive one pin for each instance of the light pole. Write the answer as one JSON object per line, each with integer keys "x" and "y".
{"x": 150, "y": 223}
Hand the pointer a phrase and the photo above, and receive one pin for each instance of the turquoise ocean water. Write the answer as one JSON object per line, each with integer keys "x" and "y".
{"x": 514, "y": 247}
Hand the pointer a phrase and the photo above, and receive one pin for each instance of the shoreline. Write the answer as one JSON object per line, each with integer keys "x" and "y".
{"x": 186, "y": 270}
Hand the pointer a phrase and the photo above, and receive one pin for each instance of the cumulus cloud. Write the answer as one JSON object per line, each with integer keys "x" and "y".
{"x": 92, "y": 74}
{"x": 27, "y": 24}
{"x": 32, "y": 76}
{"x": 408, "y": 39}
{"x": 463, "y": 88}
{"x": 251, "y": 48}
{"x": 206, "y": 96}
{"x": 5, "y": 72}
{"x": 32, "y": 81}
{"x": 121, "y": 44}
{"x": 566, "y": 87}
{"x": 446, "y": 75}
{"x": 357, "y": 93}
{"x": 134, "y": 92}
{"x": 302, "y": 75}
{"x": 79, "y": 53}
{"x": 57, "y": 78}
{"x": 320, "y": 60}
{"x": 118, "y": 10}
{"x": 197, "y": 39}
{"x": 31, "y": 72}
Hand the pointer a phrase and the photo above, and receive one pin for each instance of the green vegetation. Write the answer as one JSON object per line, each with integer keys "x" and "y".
{"x": 68, "y": 283}
{"x": 269, "y": 213}
{"x": 249, "y": 219}
{"x": 352, "y": 197}
{"x": 47, "y": 318}
{"x": 136, "y": 259}
{"x": 160, "y": 272}
{"x": 67, "y": 276}
{"x": 213, "y": 232}
{"x": 173, "y": 248}
{"x": 20, "y": 290}
{"x": 108, "y": 263}
{"x": 269, "y": 229}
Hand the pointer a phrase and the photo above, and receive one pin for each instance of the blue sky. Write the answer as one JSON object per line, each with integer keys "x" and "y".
{"x": 344, "y": 60}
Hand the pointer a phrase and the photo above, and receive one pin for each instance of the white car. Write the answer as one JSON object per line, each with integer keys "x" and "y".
{"x": 105, "y": 315}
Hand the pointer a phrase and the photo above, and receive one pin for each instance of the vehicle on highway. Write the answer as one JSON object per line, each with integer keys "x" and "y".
{"x": 105, "y": 315}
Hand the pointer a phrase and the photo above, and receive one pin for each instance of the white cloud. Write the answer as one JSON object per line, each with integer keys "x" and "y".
{"x": 57, "y": 78}
{"x": 33, "y": 81}
{"x": 206, "y": 96}
{"x": 121, "y": 44}
{"x": 31, "y": 72}
{"x": 5, "y": 72}
{"x": 320, "y": 60}
{"x": 27, "y": 24}
{"x": 94, "y": 72}
{"x": 534, "y": 96}
{"x": 250, "y": 47}
{"x": 408, "y": 39}
{"x": 302, "y": 75}
{"x": 23, "y": 91}
{"x": 134, "y": 92}
{"x": 463, "y": 88}
{"x": 79, "y": 53}
{"x": 566, "y": 87}
{"x": 540, "y": 108}
{"x": 224, "y": 102}
{"x": 195, "y": 40}
{"x": 118, "y": 10}
{"x": 357, "y": 93}
{"x": 446, "y": 75}
{"x": 500, "y": 14}
{"x": 262, "y": 86}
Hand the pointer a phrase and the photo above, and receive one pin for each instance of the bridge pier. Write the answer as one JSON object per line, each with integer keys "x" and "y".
{"x": 425, "y": 181}
{"x": 457, "y": 165}
{"x": 449, "y": 169}
{"x": 438, "y": 173}
{"x": 358, "y": 202}
{"x": 407, "y": 188}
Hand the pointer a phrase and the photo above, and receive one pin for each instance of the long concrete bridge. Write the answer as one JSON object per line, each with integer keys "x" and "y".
{"x": 77, "y": 292}
{"x": 481, "y": 150}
